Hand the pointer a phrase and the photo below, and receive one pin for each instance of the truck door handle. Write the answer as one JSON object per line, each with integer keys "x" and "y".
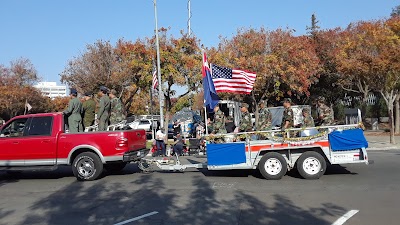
{"x": 15, "y": 142}
{"x": 46, "y": 141}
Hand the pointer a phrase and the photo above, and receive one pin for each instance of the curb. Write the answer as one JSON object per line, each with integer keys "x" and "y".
{"x": 383, "y": 148}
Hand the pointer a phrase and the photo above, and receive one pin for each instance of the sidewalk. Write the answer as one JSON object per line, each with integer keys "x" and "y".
{"x": 378, "y": 141}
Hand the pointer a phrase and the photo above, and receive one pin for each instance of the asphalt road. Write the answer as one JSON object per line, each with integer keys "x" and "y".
{"x": 225, "y": 197}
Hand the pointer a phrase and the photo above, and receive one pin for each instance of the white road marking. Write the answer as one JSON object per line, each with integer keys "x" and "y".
{"x": 345, "y": 217}
{"x": 136, "y": 218}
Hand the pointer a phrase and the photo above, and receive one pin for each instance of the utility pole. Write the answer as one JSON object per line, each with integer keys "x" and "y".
{"x": 189, "y": 17}
{"x": 160, "y": 91}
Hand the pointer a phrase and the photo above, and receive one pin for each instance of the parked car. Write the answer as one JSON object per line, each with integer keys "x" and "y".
{"x": 40, "y": 142}
{"x": 141, "y": 124}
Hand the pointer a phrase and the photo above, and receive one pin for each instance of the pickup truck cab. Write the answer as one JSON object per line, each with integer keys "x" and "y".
{"x": 39, "y": 142}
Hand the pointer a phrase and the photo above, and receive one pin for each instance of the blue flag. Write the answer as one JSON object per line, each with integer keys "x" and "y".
{"x": 211, "y": 98}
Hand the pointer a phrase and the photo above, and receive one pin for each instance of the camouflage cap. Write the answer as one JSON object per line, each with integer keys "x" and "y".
{"x": 306, "y": 110}
{"x": 289, "y": 100}
{"x": 245, "y": 105}
{"x": 113, "y": 91}
{"x": 321, "y": 99}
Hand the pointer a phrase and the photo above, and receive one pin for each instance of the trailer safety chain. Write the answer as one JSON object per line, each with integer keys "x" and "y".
{"x": 146, "y": 165}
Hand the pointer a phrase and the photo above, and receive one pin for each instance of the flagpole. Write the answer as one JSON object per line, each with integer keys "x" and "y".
{"x": 151, "y": 113}
{"x": 26, "y": 101}
{"x": 205, "y": 119}
{"x": 160, "y": 91}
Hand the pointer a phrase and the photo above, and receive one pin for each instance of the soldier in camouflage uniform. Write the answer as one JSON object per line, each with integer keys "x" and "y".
{"x": 74, "y": 113}
{"x": 219, "y": 121}
{"x": 264, "y": 118}
{"x": 307, "y": 119}
{"x": 288, "y": 116}
{"x": 325, "y": 116}
{"x": 117, "y": 109}
{"x": 245, "y": 124}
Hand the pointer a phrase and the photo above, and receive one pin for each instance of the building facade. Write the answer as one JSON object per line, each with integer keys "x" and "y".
{"x": 51, "y": 89}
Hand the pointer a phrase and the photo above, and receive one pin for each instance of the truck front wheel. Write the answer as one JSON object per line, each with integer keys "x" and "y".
{"x": 273, "y": 166}
{"x": 87, "y": 166}
{"x": 311, "y": 165}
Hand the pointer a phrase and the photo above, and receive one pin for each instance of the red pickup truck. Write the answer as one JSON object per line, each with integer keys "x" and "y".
{"x": 39, "y": 142}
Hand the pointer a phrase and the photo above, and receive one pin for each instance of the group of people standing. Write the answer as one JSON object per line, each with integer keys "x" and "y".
{"x": 220, "y": 125}
{"x": 81, "y": 115}
{"x": 324, "y": 115}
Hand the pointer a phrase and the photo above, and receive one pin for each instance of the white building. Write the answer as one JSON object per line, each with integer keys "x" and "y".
{"x": 51, "y": 89}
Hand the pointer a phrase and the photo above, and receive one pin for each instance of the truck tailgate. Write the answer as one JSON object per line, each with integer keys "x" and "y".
{"x": 136, "y": 139}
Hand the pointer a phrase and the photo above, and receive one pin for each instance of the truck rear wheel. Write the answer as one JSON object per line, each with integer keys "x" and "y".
{"x": 115, "y": 167}
{"x": 87, "y": 166}
{"x": 273, "y": 166}
{"x": 311, "y": 165}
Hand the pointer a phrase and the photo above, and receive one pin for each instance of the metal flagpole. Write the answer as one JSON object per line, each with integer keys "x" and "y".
{"x": 189, "y": 16}
{"x": 151, "y": 113}
{"x": 160, "y": 91}
{"x": 26, "y": 106}
{"x": 205, "y": 118}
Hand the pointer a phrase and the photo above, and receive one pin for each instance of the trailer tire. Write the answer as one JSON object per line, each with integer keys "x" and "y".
{"x": 311, "y": 165}
{"x": 87, "y": 166}
{"x": 272, "y": 166}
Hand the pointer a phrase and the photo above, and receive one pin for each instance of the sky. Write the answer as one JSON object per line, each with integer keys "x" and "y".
{"x": 51, "y": 33}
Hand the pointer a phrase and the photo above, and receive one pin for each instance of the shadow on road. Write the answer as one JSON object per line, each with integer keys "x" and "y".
{"x": 102, "y": 202}
{"x": 338, "y": 169}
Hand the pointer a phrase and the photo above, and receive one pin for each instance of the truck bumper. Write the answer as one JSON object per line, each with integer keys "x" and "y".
{"x": 135, "y": 155}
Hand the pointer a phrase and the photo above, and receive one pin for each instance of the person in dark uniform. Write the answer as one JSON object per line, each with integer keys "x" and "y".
{"x": 89, "y": 108}
{"x": 74, "y": 112}
{"x": 177, "y": 129}
{"x": 178, "y": 145}
{"x": 288, "y": 116}
{"x": 103, "y": 114}
{"x": 230, "y": 124}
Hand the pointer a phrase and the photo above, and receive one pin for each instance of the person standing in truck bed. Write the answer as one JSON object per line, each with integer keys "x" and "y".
{"x": 74, "y": 112}
{"x": 89, "y": 108}
{"x": 103, "y": 114}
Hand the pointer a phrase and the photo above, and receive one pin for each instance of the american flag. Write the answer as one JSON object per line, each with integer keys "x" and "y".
{"x": 232, "y": 80}
{"x": 155, "y": 80}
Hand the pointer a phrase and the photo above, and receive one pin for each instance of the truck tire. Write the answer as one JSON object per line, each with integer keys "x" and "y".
{"x": 87, "y": 166}
{"x": 311, "y": 165}
{"x": 272, "y": 166}
{"x": 115, "y": 167}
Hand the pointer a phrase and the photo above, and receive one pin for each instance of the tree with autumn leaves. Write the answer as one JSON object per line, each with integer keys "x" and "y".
{"x": 16, "y": 88}
{"x": 286, "y": 65}
{"x": 368, "y": 58}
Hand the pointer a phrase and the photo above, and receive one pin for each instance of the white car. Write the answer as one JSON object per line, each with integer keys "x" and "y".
{"x": 141, "y": 124}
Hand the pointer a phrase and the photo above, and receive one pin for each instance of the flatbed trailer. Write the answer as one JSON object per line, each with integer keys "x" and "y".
{"x": 274, "y": 152}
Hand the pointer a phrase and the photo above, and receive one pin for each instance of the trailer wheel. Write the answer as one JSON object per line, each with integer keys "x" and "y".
{"x": 273, "y": 166}
{"x": 87, "y": 166}
{"x": 311, "y": 165}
